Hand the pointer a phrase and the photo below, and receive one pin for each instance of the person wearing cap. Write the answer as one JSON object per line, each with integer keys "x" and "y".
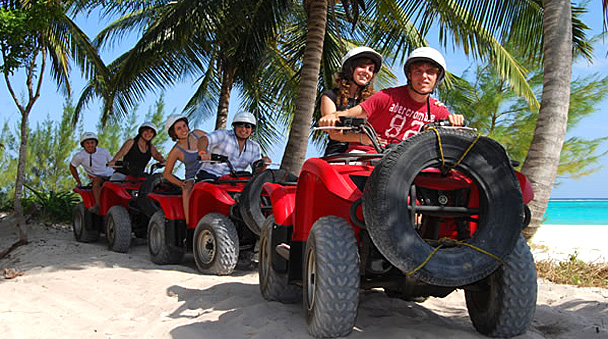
{"x": 136, "y": 153}
{"x": 184, "y": 151}
{"x": 398, "y": 113}
{"x": 354, "y": 85}
{"x": 94, "y": 160}
{"x": 234, "y": 143}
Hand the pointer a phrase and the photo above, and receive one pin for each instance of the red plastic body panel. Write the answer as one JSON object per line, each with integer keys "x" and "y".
{"x": 207, "y": 198}
{"x": 87, "y": 196}
{"x": 112, "y": 193}
{"x": 283, "y": 199}
{"x": 325, "y": 189}
{"x": 170, "y": 204}
{"x": 526, "y": 187}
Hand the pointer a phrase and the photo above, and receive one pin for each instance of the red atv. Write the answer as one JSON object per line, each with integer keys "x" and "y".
{"x": 121, "y": 211}
{"x": 217, "y": 230}
{"x": 440, "y": 211}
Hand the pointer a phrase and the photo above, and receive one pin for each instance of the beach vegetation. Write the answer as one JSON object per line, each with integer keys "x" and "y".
{"x": 495, "y": 110}
{"x": 51, "y": 146}
{"x": 574, "y": 271}
{"x": 32, "y": 34}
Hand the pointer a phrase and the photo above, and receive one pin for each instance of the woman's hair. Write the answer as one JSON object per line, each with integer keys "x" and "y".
{"x": 343, "y": 82}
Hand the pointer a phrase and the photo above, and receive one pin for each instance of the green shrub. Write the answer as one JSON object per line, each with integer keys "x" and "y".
{"x": 54, "y": 207}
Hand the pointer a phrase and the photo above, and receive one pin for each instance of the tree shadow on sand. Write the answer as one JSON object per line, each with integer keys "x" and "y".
{"x": 237, "y": 310}
{"x": 55, "y": 249}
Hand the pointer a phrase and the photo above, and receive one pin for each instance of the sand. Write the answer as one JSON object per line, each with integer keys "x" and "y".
{"x": 71, "y": 290}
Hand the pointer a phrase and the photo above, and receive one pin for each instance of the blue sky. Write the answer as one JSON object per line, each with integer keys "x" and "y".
{"x": 50, "y": 103}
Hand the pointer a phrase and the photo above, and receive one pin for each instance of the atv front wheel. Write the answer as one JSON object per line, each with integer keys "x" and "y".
{"x": 161, "y": 253}
{"x": 274, "y": 285}
{"x": 118, "y": 229}
{"x": 331, "y": 278}
{"x": 82, "y": 225}
{"x": 216, "y": 245}
{"x": 505, "y": 306}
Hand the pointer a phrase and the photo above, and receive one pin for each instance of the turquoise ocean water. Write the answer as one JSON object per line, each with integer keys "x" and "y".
{"x": 577, "y": 212}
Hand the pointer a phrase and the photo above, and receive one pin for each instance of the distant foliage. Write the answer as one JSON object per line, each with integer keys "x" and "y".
{"x": 51, "y": 147}
{"x": 490, "y": 105}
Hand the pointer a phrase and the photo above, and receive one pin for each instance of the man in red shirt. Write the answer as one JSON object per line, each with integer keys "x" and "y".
{"x": 400, "y": 112}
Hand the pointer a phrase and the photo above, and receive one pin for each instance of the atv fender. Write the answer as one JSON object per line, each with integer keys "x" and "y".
{"x": 87, "y": 196}
{"x": 283, "y": 199}
{"x": 170, "y": 204}
{"x": 526, "y": 187}
{"x": 113, "y": 194}
{"x": 207, "y": 197}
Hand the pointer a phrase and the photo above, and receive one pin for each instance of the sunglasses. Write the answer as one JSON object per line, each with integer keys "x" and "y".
{"x": 243, "y": 124}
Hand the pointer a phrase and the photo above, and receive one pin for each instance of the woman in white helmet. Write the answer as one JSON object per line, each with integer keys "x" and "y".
{"x": 398, "y": 113}
{"x": 94, "y": 160}
{"x": 354, "y": 84}
{"x": 136, "y": 153}
{"x": 234, "y": 143}
{"x": 184, "y": 151}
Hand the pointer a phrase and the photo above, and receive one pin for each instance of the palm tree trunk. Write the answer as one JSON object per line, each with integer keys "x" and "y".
{"x": 295, "y": 150}
{"x": 226, "y": 90}
{"x": 543, "y": 157}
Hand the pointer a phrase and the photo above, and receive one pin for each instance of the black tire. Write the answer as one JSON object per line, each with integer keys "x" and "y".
{"x": 215, "y": 245}
{"x": 160, "y": 252}
{"x": 250, "y": 205}
{"x": 507, "y": 305}
{"x": 118, "y": 229}
{"x": 331, "y": 278}
{"x": 501, "y": 207}
{"x": 274, "y": 285}
{"x": 82, "y": 225}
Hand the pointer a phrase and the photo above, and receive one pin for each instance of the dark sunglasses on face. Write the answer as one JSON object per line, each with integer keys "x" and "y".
{"x": 243, "y": 124}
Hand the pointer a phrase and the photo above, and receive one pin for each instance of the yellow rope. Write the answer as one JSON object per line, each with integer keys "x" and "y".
{"x": 440, "y": 147}
{"x": 463, "y": 155}
{"x": 444, "y": 241}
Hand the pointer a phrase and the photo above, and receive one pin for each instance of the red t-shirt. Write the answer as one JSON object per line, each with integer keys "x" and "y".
{"x": 394, "y": 114}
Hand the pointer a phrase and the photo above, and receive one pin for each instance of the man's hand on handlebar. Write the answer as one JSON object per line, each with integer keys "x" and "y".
{"x": 456, "y": 119}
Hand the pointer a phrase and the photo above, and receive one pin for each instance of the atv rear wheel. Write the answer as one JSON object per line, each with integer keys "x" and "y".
{"x": 501, "y": 210}
{"x": 161, "y": 253}
{"x": 216, "y": 245}
{"x": 331, "y": 278}
{"x": 251, "y": 201}
{"x": 274, "y": 285}
{"x": 505, "y": 307}
{"x": 118, "y": 229}
{"x": 82, "y": 225}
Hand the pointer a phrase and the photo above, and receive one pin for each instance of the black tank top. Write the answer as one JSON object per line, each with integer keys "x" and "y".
{"x": 334, "y": 146}
{"x": 136, "y": 160}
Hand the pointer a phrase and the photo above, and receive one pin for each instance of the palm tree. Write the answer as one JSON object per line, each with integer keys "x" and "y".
{"x": 543, "y": 156}
{"x": 223, "y": 43}
{"x": 47, "y": 35}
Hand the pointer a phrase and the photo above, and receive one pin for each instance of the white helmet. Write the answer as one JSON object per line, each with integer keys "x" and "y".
{"x": 244, "y": 117}
{"x": 147, "y": 124}
{"x": 362, "y": 52}
{"x": 88, "y": 135}
{"x": 429, "y": 54}
{"x": 172, "y": 119}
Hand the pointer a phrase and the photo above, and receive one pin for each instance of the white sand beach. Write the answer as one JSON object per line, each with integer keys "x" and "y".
{"x": 70, "y": 290}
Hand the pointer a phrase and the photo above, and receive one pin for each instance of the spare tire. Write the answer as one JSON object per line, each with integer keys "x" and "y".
{"x": 250, "y": 204}
{"x": 500, "y": 207}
